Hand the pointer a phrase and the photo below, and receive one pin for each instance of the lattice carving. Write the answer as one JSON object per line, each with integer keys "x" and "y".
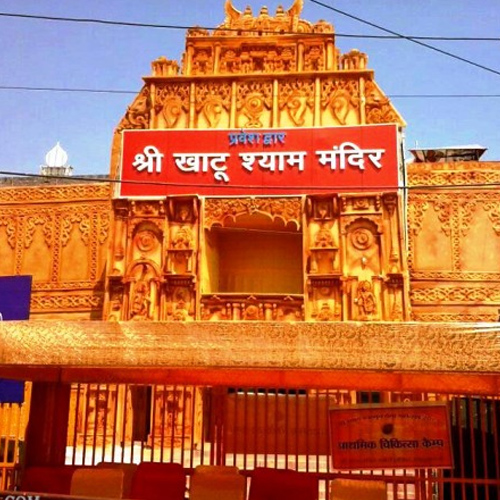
{"x": 455, "y": 317}
{"x": 472, "y": 294}
{"x": 46, "y": 194}
{"x": 455, "y": 174}
{"x": 67, "y": 302}
{"x": 434, "y": 348}
{"x": 465, "y": 276}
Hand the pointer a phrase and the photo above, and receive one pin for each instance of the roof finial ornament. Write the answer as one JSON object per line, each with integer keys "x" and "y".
{"x": 232, "y": 13}
{"x": 296, "y": 8}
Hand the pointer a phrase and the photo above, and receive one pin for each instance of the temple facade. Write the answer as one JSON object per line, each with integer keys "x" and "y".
{"x": 347, "y": 289}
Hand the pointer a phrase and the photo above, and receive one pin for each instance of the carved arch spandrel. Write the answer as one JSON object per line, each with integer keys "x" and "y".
{"x": 217, "y": 210}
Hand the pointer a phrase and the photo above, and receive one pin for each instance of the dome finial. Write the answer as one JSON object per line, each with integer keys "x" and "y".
{"x": 56, "y": 157}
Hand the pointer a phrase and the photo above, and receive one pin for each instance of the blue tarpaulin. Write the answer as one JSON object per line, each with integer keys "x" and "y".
{"x": 15, "y": 296}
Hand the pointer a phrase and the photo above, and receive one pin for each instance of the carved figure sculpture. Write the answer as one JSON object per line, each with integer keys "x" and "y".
{"x": 365, "y": 300}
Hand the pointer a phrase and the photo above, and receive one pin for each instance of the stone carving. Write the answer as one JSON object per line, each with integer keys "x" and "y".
{"x": 340, "y": 96}
{"x": 362, "y": 238}
{"x": 165, "y": 67}
{"x": 287, "y": 21}
{"x": 286, "y": 209}
{"x": 237, "y": 307}
{"x": 203, "y": 62}
{"x": 61, "y": 302}
{"x": 138, "y": 114}
{"x": 365, "y": 301}
{"x": 378, "y": 108}
{"x": 297, "y": 98}
{"x": 314, "y": 58}
{"x": 146, "y": 240}
{"x": 172, "y": 101}
{"x": 436, "y": 348}
{"x": 212, "y": 100}
{"x": 253, "y": 99}
{"x": 354, "y": 60}
{"x": 10, "y": 230}
{"x": 100, "y": 192}
{"x": 324, "y": 237}
{"x": 142, "y": 291}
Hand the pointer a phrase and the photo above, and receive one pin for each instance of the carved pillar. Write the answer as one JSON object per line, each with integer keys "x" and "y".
{"x": 362, "y": 101}
{"x": 390, "y": 202}
{"x": 300, "y": 57}
{"x": 189, "y": 59}
{"x": 275, "y": 97}
{"x": 317, "y": 102}
{"x": 217, "y": 51}
{"x": 192, "y": 105}
{"x": 323, "y": 299}
{"x": 179, "y": 273}
{"x": 234, "y": 105}
{"x": 330, "y": 56}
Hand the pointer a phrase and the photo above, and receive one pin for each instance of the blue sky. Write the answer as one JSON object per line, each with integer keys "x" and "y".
{"x": 54, "y": 54}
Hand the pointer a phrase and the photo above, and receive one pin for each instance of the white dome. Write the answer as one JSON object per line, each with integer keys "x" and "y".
{"x": 56, "y": 157}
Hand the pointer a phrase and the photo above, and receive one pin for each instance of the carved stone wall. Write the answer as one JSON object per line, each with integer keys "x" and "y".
{"x": 454, "y": 241}
{"x": 59, "y": 235}
{"x": 153, "y": 260}
{"x": 355, "y": 263}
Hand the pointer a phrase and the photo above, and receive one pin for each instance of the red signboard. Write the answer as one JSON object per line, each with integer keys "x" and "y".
{"x": 266, "y": 162}
{"x": 391, "y": 436}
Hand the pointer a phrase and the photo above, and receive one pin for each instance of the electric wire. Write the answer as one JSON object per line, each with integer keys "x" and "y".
{"x": 410, "y": 39}
{"x": 134, "y": 92}
{"x": 298, "y": 190}
{"x": 236, "y": 30}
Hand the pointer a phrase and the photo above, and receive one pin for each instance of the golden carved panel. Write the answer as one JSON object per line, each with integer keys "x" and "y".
{"x": 59, "y": 235}
{"x": 443, "y": 347}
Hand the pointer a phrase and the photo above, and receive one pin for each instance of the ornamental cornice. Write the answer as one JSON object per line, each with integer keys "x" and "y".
{"x": 426, "y": 347}
{"x": 56, "y": 193}
{"x": 472, "y": 173}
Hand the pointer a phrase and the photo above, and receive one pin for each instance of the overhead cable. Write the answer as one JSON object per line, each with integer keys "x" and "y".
{"x": 315, "y": 189}
{"x": 409, "y": 38}
{"x": 236, "y": 30}
{"x": 134, "y": 92}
